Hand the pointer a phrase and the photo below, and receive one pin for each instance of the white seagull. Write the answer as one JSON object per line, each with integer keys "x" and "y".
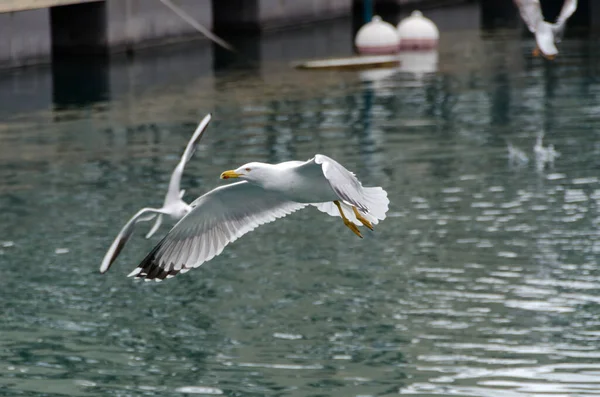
{"x": 543, "y": 155}
{"x": 173, "y": 205}
{"x": 546, "y": 34}
{"x": 267, "y": 192}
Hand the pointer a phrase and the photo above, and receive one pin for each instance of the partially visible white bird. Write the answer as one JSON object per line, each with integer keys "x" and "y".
{"x": 543, "y": 155}
{"x": 173, "y": 206}
{"x": 268, "y": 192}
{"x": 546, "y": 34}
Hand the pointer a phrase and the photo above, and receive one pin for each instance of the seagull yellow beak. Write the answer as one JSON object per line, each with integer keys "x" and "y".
{"x": 230, "y": 174}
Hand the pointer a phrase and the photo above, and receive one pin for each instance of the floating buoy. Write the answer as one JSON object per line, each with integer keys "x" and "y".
{"x": 417, "y": 33}
{"x": 377, "y": 37}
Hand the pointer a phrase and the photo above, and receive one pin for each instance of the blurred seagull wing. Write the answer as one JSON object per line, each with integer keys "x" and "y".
{"x": 568, "y": 8}
{"x": 175, "y": 182}
{"x": 116, "y": 247}
{"x": 531, "y": 13}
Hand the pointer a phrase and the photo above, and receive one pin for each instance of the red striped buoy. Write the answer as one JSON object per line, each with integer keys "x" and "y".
{"x": 417, "y": 33}
{"x": 377, "y": 37}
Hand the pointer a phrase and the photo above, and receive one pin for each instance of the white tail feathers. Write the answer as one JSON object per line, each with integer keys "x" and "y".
{"x": 375, "y": 199}
{"x": 377, "y": 202}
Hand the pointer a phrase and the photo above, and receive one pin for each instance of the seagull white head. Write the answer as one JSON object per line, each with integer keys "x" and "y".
{"x": 252, "y": 172}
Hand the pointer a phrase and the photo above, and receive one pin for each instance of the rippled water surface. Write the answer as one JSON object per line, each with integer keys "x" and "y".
{"x": 482, "y": 281}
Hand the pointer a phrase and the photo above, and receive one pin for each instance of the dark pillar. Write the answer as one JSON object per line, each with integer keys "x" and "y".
{"x": 235, "y": 16}
{"x": 594, "y": 14}
{"x": 79, "y": 28}
{"x": 499, "y": 14}
{"x": 79, "y": 54}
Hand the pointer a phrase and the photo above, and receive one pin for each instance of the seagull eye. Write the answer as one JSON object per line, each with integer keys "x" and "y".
{"x": 247, "y": 169}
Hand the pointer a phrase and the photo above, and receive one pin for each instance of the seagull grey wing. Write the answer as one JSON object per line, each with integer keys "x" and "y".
{"x": 531, "y": 13}
{"x": 124, "y": 235}
{"x": 568, "y": 8}
{"x": 371, "y": 201}
{"x": 190, "y": 149}
{"x": 218, "y": 218}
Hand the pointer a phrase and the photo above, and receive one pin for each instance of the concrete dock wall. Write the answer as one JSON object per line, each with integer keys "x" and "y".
{"x": 119, "y": 25}
{"x": 23, "y": 5}
{"x": 139, "y": 23}
{"x": 259, "y": 15}
{"x": 24, "y": 38}
{"x": 32, "y": 30}
{"x": 277, "y": 13}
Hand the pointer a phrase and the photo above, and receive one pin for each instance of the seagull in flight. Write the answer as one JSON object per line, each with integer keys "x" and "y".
{"x": 173, "y": 206}
{"x": 546, "y": 34}
{"x": 265, "y": 193}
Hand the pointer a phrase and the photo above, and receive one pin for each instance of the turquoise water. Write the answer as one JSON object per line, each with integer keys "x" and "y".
{"x": 482, "y": 281}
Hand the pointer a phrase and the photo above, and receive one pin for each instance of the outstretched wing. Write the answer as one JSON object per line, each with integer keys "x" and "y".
{"x": 126, "y": 232}
{"x": 174, "y": 183}
{"x": 531, "y": 13}
{"x": 371, "y": 201}
{"x": 218, "y": 218}
{"x": 195, "y": 140}
{"x": 568, "y": 8}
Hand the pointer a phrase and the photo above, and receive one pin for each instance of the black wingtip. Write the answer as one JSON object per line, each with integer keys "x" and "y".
{"x": 150, "y": 267}
{"x": 148, "y": 264}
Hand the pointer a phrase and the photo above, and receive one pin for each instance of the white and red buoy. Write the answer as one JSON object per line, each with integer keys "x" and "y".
{"x": 377, "y": 37}
{"x": 417, "y": 33}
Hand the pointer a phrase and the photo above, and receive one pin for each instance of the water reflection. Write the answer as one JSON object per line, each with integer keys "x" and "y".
{"x": 483, "y": 281}
{"x": 78, "y": 82}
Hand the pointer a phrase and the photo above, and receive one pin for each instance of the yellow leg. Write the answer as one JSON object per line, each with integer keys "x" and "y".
{"x": 347, "y": 222}
{"x": 536, "y": 52}
{"x": 362, "y": 219}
